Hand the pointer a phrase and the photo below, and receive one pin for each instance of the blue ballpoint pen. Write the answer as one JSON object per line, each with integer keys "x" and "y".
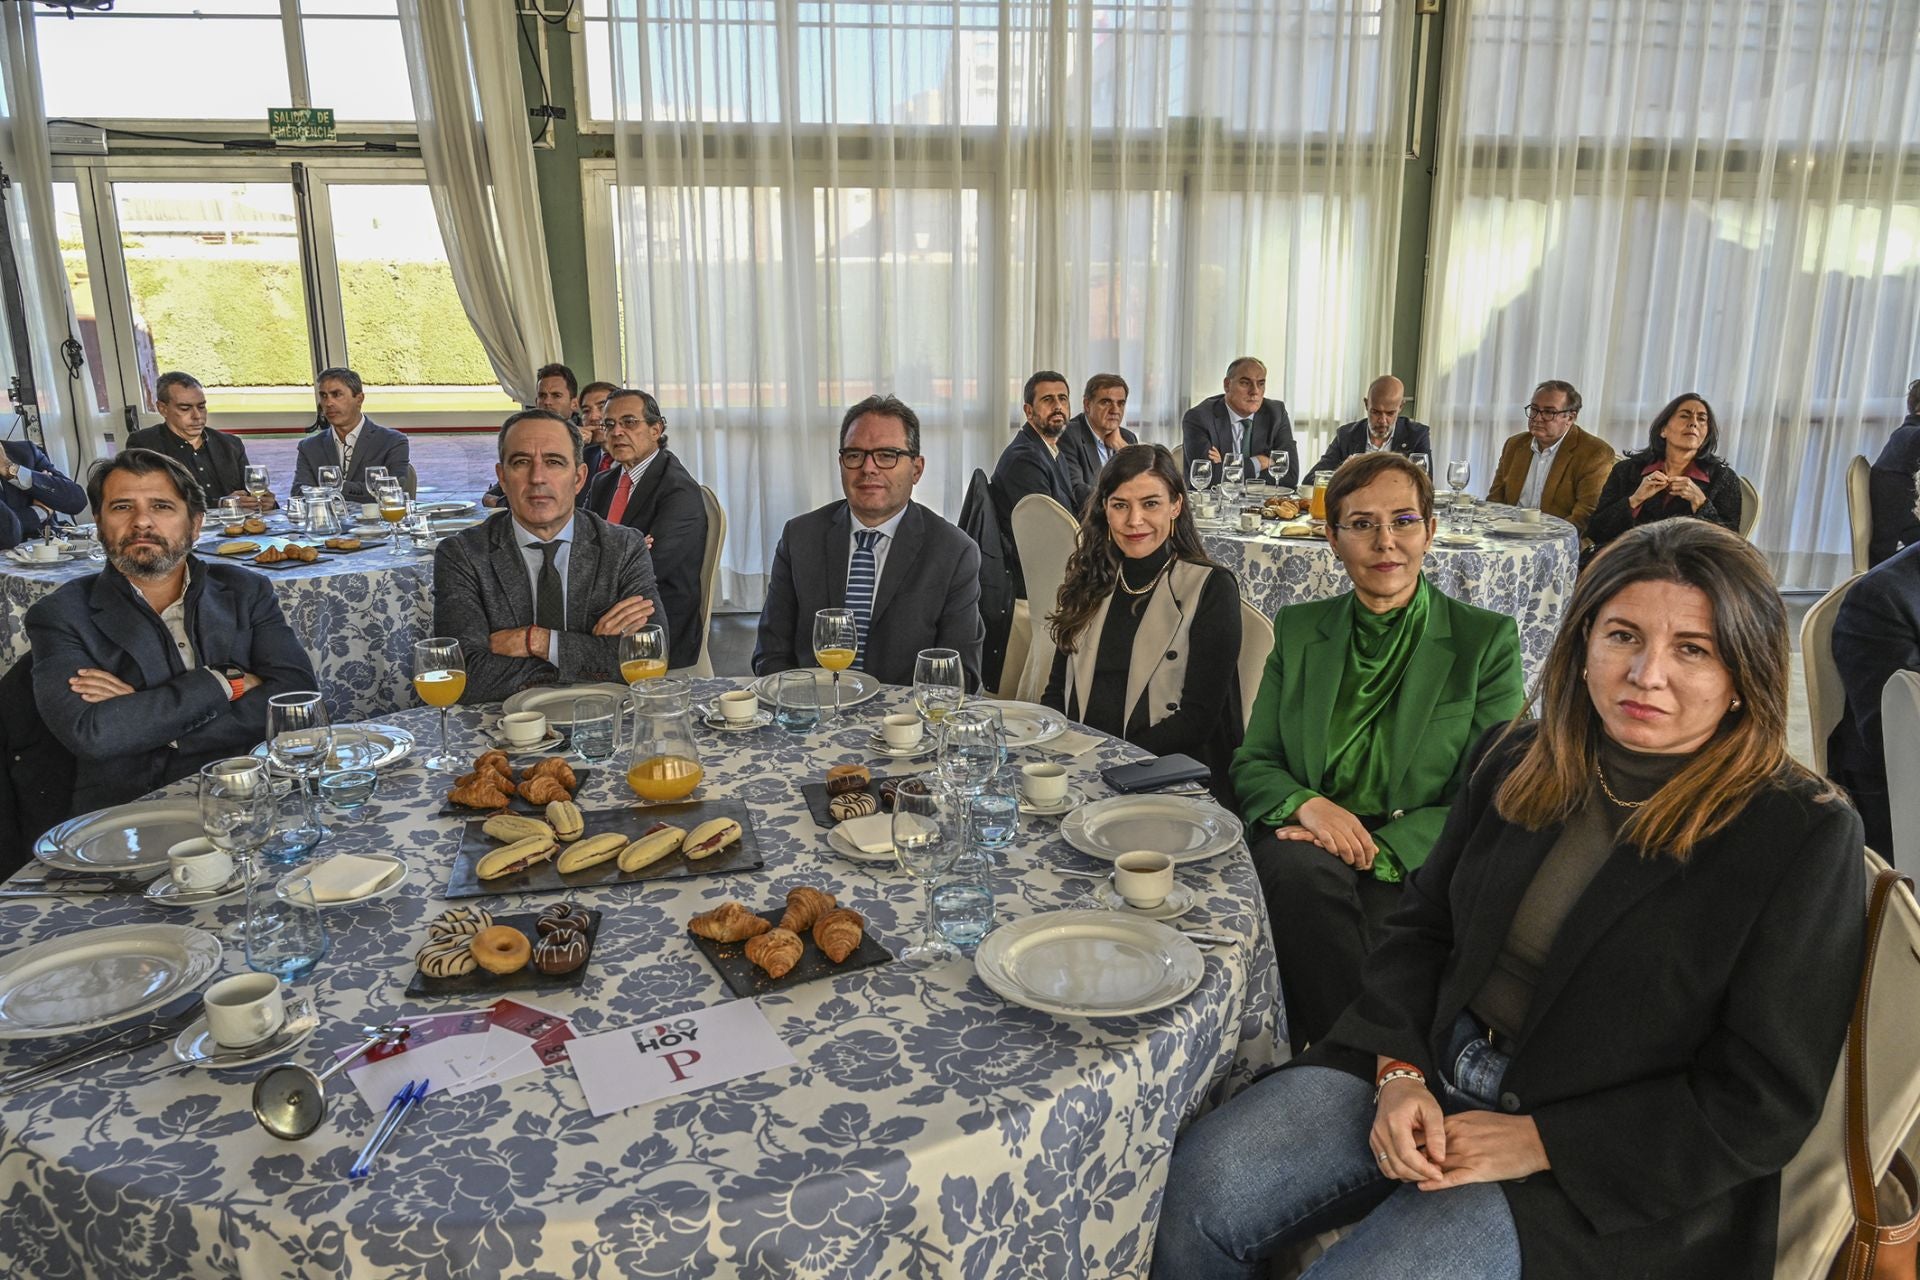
{"x": 359, "y": 1165}
{"x": 419, "y": 1095}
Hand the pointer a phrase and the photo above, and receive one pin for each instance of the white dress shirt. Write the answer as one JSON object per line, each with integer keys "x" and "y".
{"x": 888, "y": 528}
{"x": 1537, "y": 472}
{"x": 639, "y": 469}
{"x": 346, "y": 445}
{"x": 533, "y": 558}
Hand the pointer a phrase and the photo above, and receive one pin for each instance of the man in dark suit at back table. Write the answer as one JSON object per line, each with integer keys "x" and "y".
{"x": 348, "y": 439}
{"x": 1032, "y": 461}
{"x": 649, "y": 490}
{"x": 914, "y": 577}
{"x": 1242, "y": 420}
{"x": 1891, "y": 485}
{"x": 1383, "y": 430}
{"x": 30, "y": 488}
{"x": 543, "y": 594}
{"x": 1875, "y": 633}
{"x": 1094, "y": 434}
{"x": 215, "y": 459}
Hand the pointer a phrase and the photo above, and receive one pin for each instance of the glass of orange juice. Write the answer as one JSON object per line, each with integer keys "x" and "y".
{"x": 835, "y": 641}
{"x": 1317, "y": 505}
{"x": 665, "y": 765}
{"x": 643, "y": 654}
{"x": 440, "y": 677}
{"x": 393, "y": 509}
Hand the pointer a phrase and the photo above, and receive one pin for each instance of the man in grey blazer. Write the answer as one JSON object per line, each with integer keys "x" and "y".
{"x": 348, "y": 439}
{"x": 161, "y": 662}
{"x": 1095, "y": 434}
{"x": 543, "y": 593}
{"x": 1242, "y": 415}
{"x": 916, "y": 576}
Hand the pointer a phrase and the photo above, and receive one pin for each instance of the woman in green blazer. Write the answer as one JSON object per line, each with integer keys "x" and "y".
{"x": 1368, "y": 705}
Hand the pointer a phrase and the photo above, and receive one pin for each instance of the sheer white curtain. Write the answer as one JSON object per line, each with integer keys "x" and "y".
{"x": 464, "y": 68}
{"x": 1655, "y": 196}
{"x": 819, "y": 201}
{"x": 30, "y": 224}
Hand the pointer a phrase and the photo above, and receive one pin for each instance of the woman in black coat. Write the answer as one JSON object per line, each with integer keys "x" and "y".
{"x": 1679, "y": 473}
{"x": 1610, "y": 1006}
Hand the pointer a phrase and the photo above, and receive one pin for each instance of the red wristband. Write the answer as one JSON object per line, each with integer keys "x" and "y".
{"x": 1397, "y": 1065}
{"x": 236, "y": 688}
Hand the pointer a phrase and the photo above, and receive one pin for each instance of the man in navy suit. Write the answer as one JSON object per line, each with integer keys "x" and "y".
{"x": 1094, "y": 434}
{"x": 30, "y": 485}
{"x": 1241, "y": 420}
{"x": 1031, "y": 462}
{"x": 1891, "y": 485}
{"x": 161, "y": 662}
{"x": 348, "y": 439}
{"x": 1383, "y": 430}
{"x": 649, "y": 490}
{"x": 1876, "y": 633}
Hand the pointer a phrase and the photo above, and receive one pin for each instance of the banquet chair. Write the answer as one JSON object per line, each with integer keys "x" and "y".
{"x": 1179, "y": 452}
{"x": 1860, "y": 509}
{"x": 1900, "y": 736}
{"x": 1256, "y": 643}
{"x": 1013, "y": 663}
{"x": 411, "y": 482}
{"x": 1044, "y": 533}
{"x": 1749, "y": 507}
{"x": 709, "y": 576}
{"x": 1826, "y": 696}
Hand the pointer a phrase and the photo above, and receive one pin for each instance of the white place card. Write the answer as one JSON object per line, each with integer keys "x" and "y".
{"x": 634, "y": 1065}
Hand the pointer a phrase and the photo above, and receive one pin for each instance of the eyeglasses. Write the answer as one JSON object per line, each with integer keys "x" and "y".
{"x": 885, "y": 459}
{"x": 1535, "y": 413}
{"x": 628, "y": 423}
{"x": 1399, "y": 526}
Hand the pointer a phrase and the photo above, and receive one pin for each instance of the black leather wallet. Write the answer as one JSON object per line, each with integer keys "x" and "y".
{"x": 1155, "y": 775}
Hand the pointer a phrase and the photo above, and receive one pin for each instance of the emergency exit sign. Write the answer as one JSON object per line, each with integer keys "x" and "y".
{"x": 300, "y": 124}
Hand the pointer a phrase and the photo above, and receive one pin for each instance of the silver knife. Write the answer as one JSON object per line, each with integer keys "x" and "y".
{"x": 168, "y": 1023}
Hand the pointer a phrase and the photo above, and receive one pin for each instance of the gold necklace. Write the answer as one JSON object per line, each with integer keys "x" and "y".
{"x": 1608, "y": 791}
{"x": 1143, "y": 590}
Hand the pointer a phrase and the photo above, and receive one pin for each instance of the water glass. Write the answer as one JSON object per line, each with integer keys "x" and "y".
{"x": 796, "y": 701}
{"x": 927, "y": 836}
{"x": 286, "y": 935}
{"x": 993, "y": 812}
{"x": 236, "y": 814}
{"x": 973, "y": 747}
{"x": 293, "y": 837}
{"x": 1460, "y": 516}
{"x": 963, "y": 902}
{"x": 296, "y": 512}
{"x": 596, "y": 728}
{"x": 349, "y": 788}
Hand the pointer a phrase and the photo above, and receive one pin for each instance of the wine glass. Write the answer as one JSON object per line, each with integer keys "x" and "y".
{"x": 440, "y": 677}
{"x": 256, "y": 486}
{"x": 939, "y": 684}
{"x": 927, "y": 837}
{"x": 1424, "y": 461}
{"x": 393, "y": 509}
{"x": 973, "y": 747}
{"x": 300, "y": 744}
{"x": 237, "y": 810}
{"x": 643, "y": 654}
{"x": 1277, "y": 472}
{"x": 1199, "y": 474}
{"x": 834, "y": 640}
{"x": 328, "y": 478}
{"x": 1230, "y": 472}
{"x": 1458, "y": 476}
{"x": 377, "y": 477}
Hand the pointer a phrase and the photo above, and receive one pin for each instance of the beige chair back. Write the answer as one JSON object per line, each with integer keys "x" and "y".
{"x": 1900, "y": 732}
{"x": 1749, "y": 507}
{"x": 1044, "y": 533}
{"x": 709, "y": 579}
{"x": 1826, "y": 696}
{"x": 1179, "y": 452}
{"x": 1256, "y": 645}
{"x": 1860, "y": 509}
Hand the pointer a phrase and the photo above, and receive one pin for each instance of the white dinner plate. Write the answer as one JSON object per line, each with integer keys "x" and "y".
{"x": 196, "y": 1044}
{"x": 385, "y": 889}
{"x": 1089, "y": 964}
{"x": 856, "y": 687}
{"x": 127, "y": 837}
{"x": 360, "y": 746}
{"x": 81, "y": 981}
{"x": 555, "y": 702}
{"x": 1178, "y": 902}
{"x": 440, "y": 509}
{"x": 848, "y": 849}
{"x": 1522, "y": 529}
{"x": 1028, "y": 723}
{"x": 1183, "y": 828}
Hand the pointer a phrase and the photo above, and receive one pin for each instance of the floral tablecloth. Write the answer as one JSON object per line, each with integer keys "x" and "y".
{"x": 358, "y": 614}
{"x": 1528, "y": 579}
{"x": 929, "y": 1129}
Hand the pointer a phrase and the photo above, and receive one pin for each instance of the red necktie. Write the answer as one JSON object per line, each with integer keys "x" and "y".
{"x": 606, "y": 460}
{"x": 620, "y": 496}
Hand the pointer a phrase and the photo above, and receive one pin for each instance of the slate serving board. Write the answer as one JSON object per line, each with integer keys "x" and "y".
{"x": 742, "y": 855}
{"x": 481, "y": 982}
{"x": 516, "y": 803}
{"x": 815, "y": 794}
{"x": 747, "y": 979}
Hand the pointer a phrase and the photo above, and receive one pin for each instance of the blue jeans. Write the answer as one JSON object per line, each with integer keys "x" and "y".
{"x": 1289, "y": 1158}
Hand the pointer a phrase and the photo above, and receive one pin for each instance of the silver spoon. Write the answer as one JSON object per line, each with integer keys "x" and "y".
{"x": 290, "y": 1101}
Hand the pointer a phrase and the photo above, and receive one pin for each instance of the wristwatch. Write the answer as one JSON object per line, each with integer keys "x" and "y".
{"x": 236, "y": 682}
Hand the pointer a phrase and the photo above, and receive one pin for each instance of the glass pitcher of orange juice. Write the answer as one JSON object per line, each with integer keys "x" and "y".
{"x": 665, "y": 763}
{"x": 1317, "y": 505}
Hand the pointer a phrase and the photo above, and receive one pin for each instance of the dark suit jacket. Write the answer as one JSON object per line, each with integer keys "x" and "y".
{"x": 226, "y": 454}
{"x": 1408, "y": 437}
{"x": 480, "y": 586}
{"x": 1579, "y": 472}
{"x": 1026, "y": 466}
{"x": 1614, "y": 516}
{"x": 667, "y": 504}
{"x": 1080, "y": 451}
{"x": 1681, "y": 1040}
{"x": 49, "y": 487}
{"x": 377, "y": 446}
{"x": 36, "y": 770}
{"x": 1206, "y": 426}
{"x": 1876, "y": 633}
{"x": 928, "y": 596}
{"x": 1891, "y": 486}
{"x": 176, "y": 720}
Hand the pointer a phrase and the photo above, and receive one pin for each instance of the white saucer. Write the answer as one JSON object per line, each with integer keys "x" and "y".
{"x": 196, "y": 1044}
{"x": 1177, "y": 903}
{"x": 880, "y": 746}
{"x": 168, "y": 894}
{"x": 18, "y": 558}
{"x": 553, "y": 739}
{"x": 1074, "y": 798}
{"x": 761, "y": 719}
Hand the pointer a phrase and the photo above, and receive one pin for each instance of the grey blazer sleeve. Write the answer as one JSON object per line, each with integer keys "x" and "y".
{"x": 458, "y": 584}
{"x": 585, "y": 656}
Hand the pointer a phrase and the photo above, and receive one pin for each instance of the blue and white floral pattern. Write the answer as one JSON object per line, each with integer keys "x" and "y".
{"x": 928, "y": 1128}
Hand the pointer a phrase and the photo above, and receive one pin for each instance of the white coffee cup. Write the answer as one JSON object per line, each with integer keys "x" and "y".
{"x": 196, "y": 865}
{"x": 1143, "y": 878}
{"x": 902, "y": 730}
{"x": 1530, "y": 515}
{"x": 1043, "y": 783}
{"x": 1249, "y": 521}
{"x": 245, "y": 1010}
{"x": 43, "y": 551}
{"x": 524, "y": 728}
{"x": 370, "y": 511}
{"x": 1205, "y": 509}
{"x": 739, "y": 706}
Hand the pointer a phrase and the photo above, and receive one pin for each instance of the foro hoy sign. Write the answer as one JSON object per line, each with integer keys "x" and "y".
{"x": 666, "y": 1040}
{"x": 667, "y": 1056}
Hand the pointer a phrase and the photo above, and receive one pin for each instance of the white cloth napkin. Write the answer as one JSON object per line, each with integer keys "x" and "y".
{"x": 347, "y": 875}
{"x": 871, "y": 834}
{"x": 1069, "y": 743}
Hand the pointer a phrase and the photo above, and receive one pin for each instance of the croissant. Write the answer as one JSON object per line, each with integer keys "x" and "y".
{"x": 728, "y": 922}
{"x": 838, "y": 933}
{"x": 553, "y": 767}
{"x": 806, "y": 904}
{"x": 500, "y": 782}
{"x": 776, "y": 951}
{"x": 481, "y": 794}
{"x": 543, "y": 790}
{"x": 495, "y": 759}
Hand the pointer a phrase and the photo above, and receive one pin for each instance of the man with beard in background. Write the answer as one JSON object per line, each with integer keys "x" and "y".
{"x": 1031, "y": 462}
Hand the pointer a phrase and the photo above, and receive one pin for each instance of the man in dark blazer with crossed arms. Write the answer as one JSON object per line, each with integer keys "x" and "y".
{"x": 1208, "y": 430}
{"x": 647, "y": 489}
{"x": 925, "y": 572}
{"x": 31, "y": 487}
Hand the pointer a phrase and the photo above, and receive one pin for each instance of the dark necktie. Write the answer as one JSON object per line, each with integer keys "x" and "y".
{"x": 861, "y": 580}
{"x": 549, "y": 601}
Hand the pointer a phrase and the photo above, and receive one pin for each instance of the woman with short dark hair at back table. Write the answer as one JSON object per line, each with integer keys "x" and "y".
{"x": 1610, "y": 1006}
{"x": 1679, "y": 473}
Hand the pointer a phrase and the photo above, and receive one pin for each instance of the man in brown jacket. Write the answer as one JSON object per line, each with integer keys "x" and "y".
{"x": 1553, "y": 464}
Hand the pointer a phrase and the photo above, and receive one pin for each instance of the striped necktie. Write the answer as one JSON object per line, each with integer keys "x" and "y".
{"x": 860, "y": 584}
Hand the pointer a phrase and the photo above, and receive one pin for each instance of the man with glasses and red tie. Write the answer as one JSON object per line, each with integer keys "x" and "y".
{"x": 649, "y": 490}
{"x": 1553, "y": 464}
{"x": 911, "y": 579}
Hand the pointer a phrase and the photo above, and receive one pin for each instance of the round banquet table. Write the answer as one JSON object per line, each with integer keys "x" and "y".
{"x": 357, "y": 614}
{"x": 929, "y": 1127}
{"x": 1529, "y": 579}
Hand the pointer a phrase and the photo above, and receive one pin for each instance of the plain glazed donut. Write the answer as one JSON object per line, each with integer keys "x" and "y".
{"x": 501, "y": 949}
